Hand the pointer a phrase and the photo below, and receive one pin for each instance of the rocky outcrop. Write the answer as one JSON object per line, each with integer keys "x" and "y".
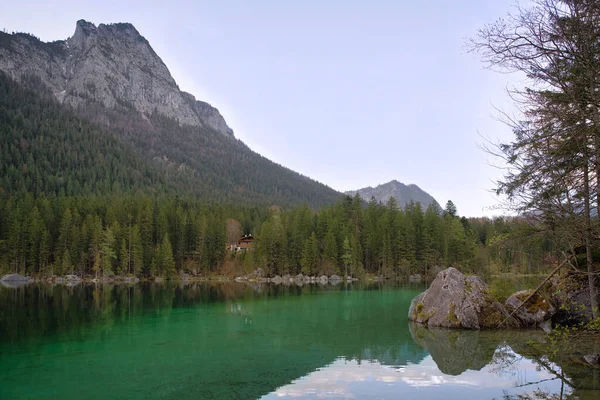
{"x": 532, "y": 314}
{"x": 110, "y": 64}
{"x": 570, "y": 292}
{"x": 456, "y": 301}
{"x": 14, "y": 278}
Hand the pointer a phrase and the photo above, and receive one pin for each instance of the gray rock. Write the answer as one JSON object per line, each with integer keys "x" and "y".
{"x": 416, "y": 306}
{"x": 276, "y": 279}
{"x": 593, "y": 359}
{"x": 287, "y": 278}
{"x": 456, "y": 301}
{"x": 323, "y": 279}
{"x": 158, "y": 279}
{"x": 546, "y": 326}
{"x": 416, "y": 278}
{"x": 258, "y": 272}
{"x": 72, "y": 278}
{"x": 108, "y": 64}
{"x": 534, "y": 313}
{"x": 571, "y": 295}
{"x": 14, "y": 278}
{"x": 334, "y": 278}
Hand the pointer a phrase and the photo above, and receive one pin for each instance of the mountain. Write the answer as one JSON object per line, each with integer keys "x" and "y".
{"x": 100, "y": 112}
{"x": 403, "y": 194}
{"x": 110, "y": 64}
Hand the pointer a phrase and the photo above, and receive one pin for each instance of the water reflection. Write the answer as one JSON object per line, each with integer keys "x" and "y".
{"x": 350, "y": 379}
{"x": 461, "y": 364}
{"x": 234, "y": 340}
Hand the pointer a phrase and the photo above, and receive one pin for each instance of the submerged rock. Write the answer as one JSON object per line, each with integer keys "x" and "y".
{"x": 456, "y": 301}
{"x": 534, "y": 313}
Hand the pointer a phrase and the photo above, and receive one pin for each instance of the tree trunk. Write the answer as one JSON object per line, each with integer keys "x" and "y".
{"x": 588, "y": 244}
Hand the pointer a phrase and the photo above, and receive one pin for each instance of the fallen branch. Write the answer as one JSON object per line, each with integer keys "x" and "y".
{"x": 535, "y": 291}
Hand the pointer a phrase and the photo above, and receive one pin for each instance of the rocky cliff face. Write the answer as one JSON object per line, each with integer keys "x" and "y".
{"x": 110, "y": 64}
{"x": 403, "y": 194}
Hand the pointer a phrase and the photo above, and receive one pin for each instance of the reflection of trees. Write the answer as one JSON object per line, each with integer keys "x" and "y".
{"x": 505, "y": 361}
{"x": 290, "y": 334}
{"x": 455, "y": 351}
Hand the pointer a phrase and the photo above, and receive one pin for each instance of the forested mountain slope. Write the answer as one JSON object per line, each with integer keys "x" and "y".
{"x": 75, "y": 122}
{"x": 49, "y": 148}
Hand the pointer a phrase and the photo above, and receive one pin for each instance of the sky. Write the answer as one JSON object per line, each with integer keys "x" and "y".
{"x": 350, "y": 93}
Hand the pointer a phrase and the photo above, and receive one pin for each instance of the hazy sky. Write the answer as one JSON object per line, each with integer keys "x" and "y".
{"x": 350, "y": 93}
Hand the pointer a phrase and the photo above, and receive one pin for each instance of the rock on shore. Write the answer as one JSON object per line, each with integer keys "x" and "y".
{"x": 14, "y": 278}
{"x": 456, "y": 301}
{"x": 534, "y": 313}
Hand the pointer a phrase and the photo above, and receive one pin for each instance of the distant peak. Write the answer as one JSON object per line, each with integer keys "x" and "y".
{"x": 120, "y": 28}
{"x": 403, "y": 194}
{"x": 84, "y": 27}
{"x": 393, "y": 182}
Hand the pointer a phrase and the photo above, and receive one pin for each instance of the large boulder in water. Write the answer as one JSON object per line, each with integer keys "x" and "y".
{"x": 534, "y": 313}
{"x": 456, "y": 301}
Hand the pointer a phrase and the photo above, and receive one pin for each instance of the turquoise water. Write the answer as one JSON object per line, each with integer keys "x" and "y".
{"x": 235, "y": 341}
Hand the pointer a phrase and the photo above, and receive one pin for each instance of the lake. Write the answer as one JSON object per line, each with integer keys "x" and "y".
{"x": 243, "y": 341}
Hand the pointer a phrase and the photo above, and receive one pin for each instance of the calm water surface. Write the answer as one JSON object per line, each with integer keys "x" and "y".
{"x": 236, "y": 341}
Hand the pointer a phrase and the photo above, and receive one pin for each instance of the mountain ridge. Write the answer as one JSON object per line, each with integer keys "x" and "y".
{"x": 402, "y": 193}
{"x": 112, "y": 88}
{"x": 112, "y": 64}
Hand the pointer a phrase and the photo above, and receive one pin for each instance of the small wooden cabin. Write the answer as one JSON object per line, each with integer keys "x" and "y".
{"x": 244, "y": 243}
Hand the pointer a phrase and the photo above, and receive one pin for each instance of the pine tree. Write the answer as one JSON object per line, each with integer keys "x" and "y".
{"x": 310, "y": 256}
{"x": 347, "y": 257}
{"x": 167, "y": 264}
{"x": 137, "y": 251}
{"x": 124, "y": 258}
{"x": 107, "y": 252}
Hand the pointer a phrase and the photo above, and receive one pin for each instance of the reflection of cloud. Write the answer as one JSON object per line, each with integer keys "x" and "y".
{"x": 351, "y": 379}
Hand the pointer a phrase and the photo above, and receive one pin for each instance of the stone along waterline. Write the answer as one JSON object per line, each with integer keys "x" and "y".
{"x": 236, "y": 341}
